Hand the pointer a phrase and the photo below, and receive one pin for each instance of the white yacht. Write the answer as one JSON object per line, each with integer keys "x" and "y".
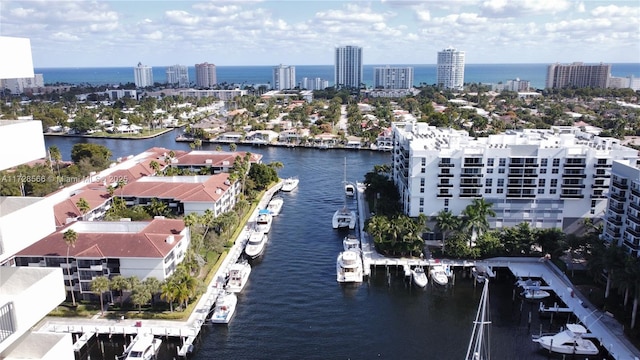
{"x": 344, "y": 218}
{"x": 419, "y": 276}
{"x": 275, "y": 205}
{"x": 256, "y": 244}
{"x": 225, "y": 307}
{"x": 290, "y": 184}
{"x": 569, "y": 341}
{"x": 143, "y": 347}
{"x": 349, "y": 267}
{"x": 263, "y": 221}
{"x": 238, "y": 276}
{"x": 535, "y": 293}
{"x": 438, "y": 274}
{"x": 351, "y": 242}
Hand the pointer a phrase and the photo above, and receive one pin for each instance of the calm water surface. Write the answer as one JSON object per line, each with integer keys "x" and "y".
{"x": 293, "y": 307}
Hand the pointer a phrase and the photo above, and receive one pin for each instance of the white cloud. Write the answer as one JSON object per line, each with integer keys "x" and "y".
{"x": 504, "y": 8}
{"x": 64, "y": 36}
{"x": 156, "y": 35}
{"x": 181, "y": 17}
{"x": 616, "y": 11}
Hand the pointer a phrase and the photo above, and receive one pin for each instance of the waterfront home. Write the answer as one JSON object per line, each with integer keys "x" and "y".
{"x": 384, "y": 142}
{"x": 353, "y": 142}
{"x": 261, "y": 137}
{"x": 108, "y": 248}
{"x": 293, "y": 136}
{"x": 229, "y": 137}
{"x": 325, "y": 140}
{"x": 216, "y": 161}
{"x": 184, "y": 194}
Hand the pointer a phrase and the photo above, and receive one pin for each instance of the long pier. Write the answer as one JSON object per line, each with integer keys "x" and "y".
{"x": 600, "y": 324}
{"x": 187, "y": 331}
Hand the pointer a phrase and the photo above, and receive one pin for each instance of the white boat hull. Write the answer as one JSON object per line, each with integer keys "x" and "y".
{"x": 290, "y": 184}
{"x": 256, "y": 245}
{"x": 275, "y": 206}
{"x": 225, "y": 308}
{"x": 439, "y": 275}
{"x": 349, "y": 267}
{"x": 344, "y": 218}
{"x": 419, "y": 278}
{"x": 238, "y": 277}
{"x": 143, "y": 347}
{"x": 569, "y": 341}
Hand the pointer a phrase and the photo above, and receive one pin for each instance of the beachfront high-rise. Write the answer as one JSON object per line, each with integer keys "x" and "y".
{"x": 206, "y": 75}
{"x": 284, "y": 77}
{"x": 178, "y": 75}
{"x": 314, "y": 83}
{"x": 393, "y": 77}
{"x": 143, "y": 75}
{"x": 546, "y": 177}
{"x": 450, "y": 69}
{"x": 578, "y": 75}
{"x": 348, "y": 67}
{"x": 622, "y": 219}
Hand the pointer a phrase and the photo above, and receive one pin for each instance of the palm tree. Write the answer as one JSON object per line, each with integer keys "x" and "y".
{"x": 100, "y": 284}
{"x": 70, "y": 237}
{"x": 445, "y": 222}
{"x": 157, "y": 208}
{"x": 168, "y": 292}
{"x": 233, "y": 147}
{"x": 153, "y": 285}
{"x": 475, "y": 218}
{"x": 120, "y": 283}
{"x": 83, "y": 206}
{"x": 155, "y": 166}
{"x": 56, "y": 157}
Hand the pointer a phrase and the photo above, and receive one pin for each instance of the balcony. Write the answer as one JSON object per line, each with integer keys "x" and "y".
{"x": 617, "y": 209}
{"x": 600, "y": 186}
{"x": 441, "y": 164}
{"x": 632, "y": 231}
{"x": 470, "y": 185}
{"x": 571, "y": 196}
{"x": 620, "y": 185}
{"x": 470, "y": 195}
{"x": 445, "y": 175}
{"x": 631, "y": 245}
{"x": 445, "y": 185}
{"x": 444, "y": 195}
{"x": 573, "y": 175}
{"x": 617, "y": 197}
{"x": 634, "y": 206}
{"x": 574, "y": 165}
{"x": 601, "y": 176}
{"x": 602, "y": 166}
{"x": 573, "y": 186}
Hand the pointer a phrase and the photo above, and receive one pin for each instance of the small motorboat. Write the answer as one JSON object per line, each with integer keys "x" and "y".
{"x": 534, "y": 293}
{"x": 143, "y": 347}
{"x": 225, "y": 307}
{"x": 439, "y": 275}
{"x": 569, "y": 341}
{"x": 344, "y": 218}
{"x": 419, "y": 276}
{"x": 275, "y": 205}
{"x": 238, "y": 276}
{"x": 290, "y": 184}
{"x": 351, "y": 242}
{"x": 349, "y": 190}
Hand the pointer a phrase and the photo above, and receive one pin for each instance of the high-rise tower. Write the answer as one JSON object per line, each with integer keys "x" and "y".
{"x": 205, "y": 75}
{"x": 450, "y": 69}
{"x": 143, "y": 75}
{"x": 284, "y": 77}
{"x": 178, "y": 75}
{"x": 348, "y": 67}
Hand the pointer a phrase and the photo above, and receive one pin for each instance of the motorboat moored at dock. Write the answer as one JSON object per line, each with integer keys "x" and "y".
{"x": 238, "y": 276}
{"x": 263, "y": 221}
{"x": 349, "y": 267}
{"x": 344, "y": 218}
{"x": 419, "y": 277}
{"x": 569, "y": 341}
{"x": 143, "y": 347}
{"x": 289, "y": 184}
{"x": 351, "y": 242}
{"x": 275, "y": 205}
{"x": 438, "y": 274}
{"x": 256, "y": 244}
{"x": 224, "y": 309}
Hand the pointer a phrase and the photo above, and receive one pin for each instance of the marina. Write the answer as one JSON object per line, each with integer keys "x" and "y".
{"x": 301, "y": 291}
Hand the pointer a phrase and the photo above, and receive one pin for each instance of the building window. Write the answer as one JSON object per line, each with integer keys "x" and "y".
{"x": 554, "y": 182}
{"x": 421, "y": 201}
{"x": 421, "y": 210}
{"x": 541, "y": 182}
{"x": 543, "y": 162}
{"x": 554, "y": 171}
{"x": 502, "y": 162}
{"x": 490, "y": 162}
{"x": 421, "y": 181}
{"x": 543, "y": 171}
{"x": 593, "y": 203}
{"x": 500, "y": 170}
{"x": 556, "y": 162}
{"x": 446, "y": 202}
{"x": 540, "y": 191}
{"x": 488, "y": 182}
{"x": 499, "y": 190}
{"x": 489, "y": 171}
{"x": 421, "y": 190}
{"x": 552, "y": 191}
{"x": 500, "y": 182}
{"x": 487, "y": 191}
{"x": 423, "y": 170}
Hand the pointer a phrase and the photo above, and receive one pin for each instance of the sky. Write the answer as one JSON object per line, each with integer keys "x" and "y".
{"x": 78, "y": 33}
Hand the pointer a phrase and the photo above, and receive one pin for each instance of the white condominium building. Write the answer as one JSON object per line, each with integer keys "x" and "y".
{"x": 206, "y": 75}
{"x": 178, "y": 75}
{"x": 17, "y": 86}
{"x": 549, "y": 178}
{"x": 348, "y": 67}
{"x": 284, "y": 77}
{"x": 314, "y": 84}
{"x": 578, "y": 75}
{"x": 622, "y": 219}
{"x": 393, "y": 77}
{"x": 450, "y": 69}
{"x": 143, "y": 75}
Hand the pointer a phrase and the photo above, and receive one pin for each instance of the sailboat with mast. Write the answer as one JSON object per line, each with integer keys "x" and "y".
{"x": 479, "y": 348}
{"x": 343, "y": 217}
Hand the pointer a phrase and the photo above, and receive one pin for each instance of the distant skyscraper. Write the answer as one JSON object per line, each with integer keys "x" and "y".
{"x": 178, "y": 75}
{"x": 314, "y": 84}
{"x": 393, "y": 77}
{"x": 284, "y": 77}
{"x": 143, "y": 75}
{"x": 348, "y": 67}
{"x": 450, "y": 69}
{"x": 206, "y": 75}
{"x": 578, "y": 75}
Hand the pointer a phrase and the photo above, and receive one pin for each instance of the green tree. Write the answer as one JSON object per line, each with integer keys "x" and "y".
{"x": 140, "y": 295}
{"x": 100, "y": 285}
{"x": 475, "y": 218}
{"x": 120, "y": 284}
{"x": 169, "y": 292}
{"x": 445, "y": 222}
{"x": 70, "y": 238}
{"x": 56, "y": 157}
{"x": 83, "y": 205}
{"x": 157, "y": 208}
{"x": 97, "y": 155}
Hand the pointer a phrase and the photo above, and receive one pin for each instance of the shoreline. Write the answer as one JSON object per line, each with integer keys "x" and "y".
{"x": 143, "y": 137}
{"x": 278, "y": 144}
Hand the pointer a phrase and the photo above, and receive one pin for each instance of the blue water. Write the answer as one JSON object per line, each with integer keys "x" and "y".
{"x": 249, "y": 75}
{"x": 292, "y": 306}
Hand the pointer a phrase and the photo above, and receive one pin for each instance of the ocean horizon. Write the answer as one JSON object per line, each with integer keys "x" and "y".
{"x": 262, "y": 74}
